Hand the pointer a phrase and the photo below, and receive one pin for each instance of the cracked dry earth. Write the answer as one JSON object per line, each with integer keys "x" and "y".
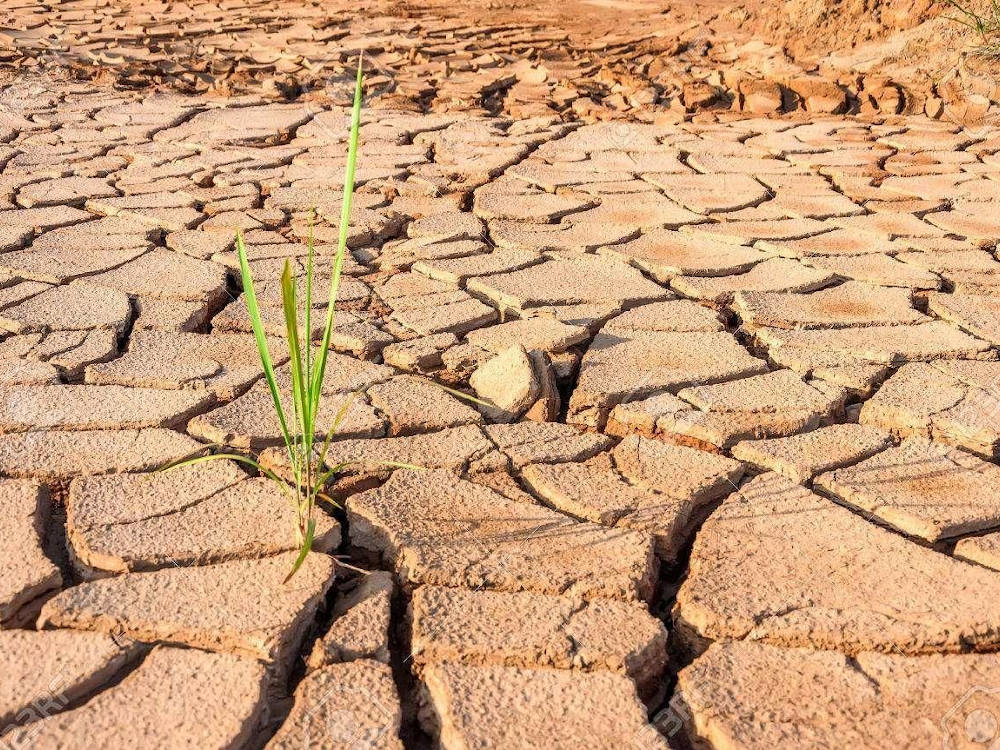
{"x": 736, "y": 486}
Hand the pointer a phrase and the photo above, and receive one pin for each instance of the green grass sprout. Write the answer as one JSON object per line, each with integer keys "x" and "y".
{"x": 986, "y": 25}
{"x": 298, "y": 425}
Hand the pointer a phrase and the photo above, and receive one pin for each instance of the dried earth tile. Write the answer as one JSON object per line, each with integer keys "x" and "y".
{"x": 73, "y": 307}
{"x": 57, "y": 455}
{"x": 568, "y": 282}
{"x": 664, "y": 254}
{"x": 526, "y": 629}
{"x": 871, "y": 590}
{"x": 54, "y": 667}
{"x": 844, "y": 306}
{"x": 343, "y": 706}
{"x": 619, "y": 367}
{"x": 222, "y": 364}
{"x": 976, "y": 314}
{"x": 495, "y": 706}
{"x": 242, "y": 607}
{"x": 891, "y": 345}
{"x": 797, "y": 697}
{"x": 250, "y": 421}
{"x": 775, "y": 275}
{"x": 921, "y": 488}
{"x": 801, "y": 457}
{"x": 361, "y": 624}
{"x": 29, "y": 573}
{"x": 528, "y": 442}
{"x": 983, "y": 550}
{"x": 179, "y": 696}
{"x": 413, "y": 404}
{"x": 142, "y": 522}
{"x": 93, "y": 407}
{"x": 497, "y": 543}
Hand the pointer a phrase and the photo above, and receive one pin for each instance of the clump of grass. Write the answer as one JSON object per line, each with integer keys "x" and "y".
{"x": 985, "y": 24}
{"x": 306, "y": 454}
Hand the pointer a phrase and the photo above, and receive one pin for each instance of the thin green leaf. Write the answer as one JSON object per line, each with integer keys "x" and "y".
{"x": 310, "y": 244}
{"x": 239, "y": 458}
{"x": 339, "y": 467}
{"x": 345, "y": 220}
{"x": 258, "y": 333}
{"x": 304, "y": 551}
{"x": 328, "y": 500}
{"x": 465, "y": 396}
{"x": 341, "y": 413}
{"x": 289, "y": 305}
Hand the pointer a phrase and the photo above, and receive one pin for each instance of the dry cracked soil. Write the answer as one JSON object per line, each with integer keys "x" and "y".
{"x": 730, "y": 319}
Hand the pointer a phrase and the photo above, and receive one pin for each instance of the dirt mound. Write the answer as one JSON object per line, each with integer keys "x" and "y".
{"x": 813, "y": 28}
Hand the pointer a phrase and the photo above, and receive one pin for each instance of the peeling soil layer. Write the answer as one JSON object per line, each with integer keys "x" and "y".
{"x": 728, "y": 478}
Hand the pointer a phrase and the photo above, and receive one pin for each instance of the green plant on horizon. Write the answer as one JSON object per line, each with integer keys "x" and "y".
{"x": 986, "y": 25}
{"x": 307, "y": 455}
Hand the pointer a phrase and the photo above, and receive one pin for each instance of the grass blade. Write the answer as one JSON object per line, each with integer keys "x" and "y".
{"x": 338, "y": 418}
{"x": 258, "y": 333}
{"x": 304, "y": 552}
{"x": 345, "y": 218}
{"x": 289, "y": 304}
{"x": 239, "y": 458}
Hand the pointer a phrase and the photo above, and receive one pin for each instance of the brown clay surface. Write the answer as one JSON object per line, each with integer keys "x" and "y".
{"x": 724, "y": 274}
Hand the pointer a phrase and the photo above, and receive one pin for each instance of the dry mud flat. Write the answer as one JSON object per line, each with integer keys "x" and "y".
{"x": 579, "y": 59}
{"x": 735, "y": 488}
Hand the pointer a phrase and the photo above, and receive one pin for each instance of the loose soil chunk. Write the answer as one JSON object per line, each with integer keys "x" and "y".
{"x": 836, "y": 580}
{"x": 508, "y": 382}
